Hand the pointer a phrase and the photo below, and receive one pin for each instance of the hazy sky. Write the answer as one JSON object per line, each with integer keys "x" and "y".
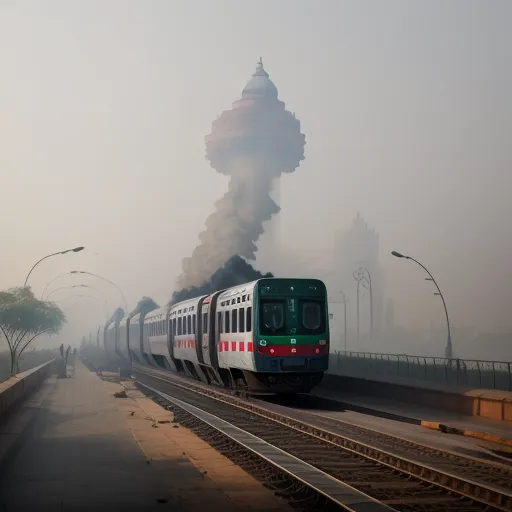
{"x": 406, "y": 106}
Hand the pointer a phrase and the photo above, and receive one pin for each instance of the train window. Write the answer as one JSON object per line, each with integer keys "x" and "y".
{"x": 219, "y": 322}
{"x": 238, "y": 300}
{"x": 193, "y": 323}
{"x": 174, "y": 331}
{"x": 272, "y": 317}
{"x": 313, "y": 316}
{"x": 189, "y": 324}
{"x": 205, "y": 323}
{"x": 233, "y": 320}
{"x": 241, "y": 320}
{"x": 226, "y": 321}
{"x": 179, "y": 326}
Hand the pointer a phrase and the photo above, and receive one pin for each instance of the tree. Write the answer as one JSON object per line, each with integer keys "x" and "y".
{"x": 23, "y": 318}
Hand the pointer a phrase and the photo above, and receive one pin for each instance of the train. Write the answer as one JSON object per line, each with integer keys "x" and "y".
{"x": 269, "y": 336}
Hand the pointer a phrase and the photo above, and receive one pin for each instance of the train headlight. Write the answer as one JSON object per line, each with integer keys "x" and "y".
{"x": 317, "y": 351}
{"x": 271, "y": 350}
{"x": 322, "y": 342}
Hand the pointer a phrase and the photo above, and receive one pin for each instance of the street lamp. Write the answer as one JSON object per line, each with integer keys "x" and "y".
{"x": 104, "y": 279}
{"x": 79, "y": 286}
{"x": 448, "y": 351}
{"x": 360, "y": 277}
{"x": 52, "y": 281}
{"x": 76, "y": 249}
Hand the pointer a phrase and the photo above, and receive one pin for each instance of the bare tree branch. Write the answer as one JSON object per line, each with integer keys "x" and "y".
{"x": 30, "y": 340}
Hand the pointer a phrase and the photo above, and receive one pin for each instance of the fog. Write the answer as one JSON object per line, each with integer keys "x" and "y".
{"x": 407, "y": 116}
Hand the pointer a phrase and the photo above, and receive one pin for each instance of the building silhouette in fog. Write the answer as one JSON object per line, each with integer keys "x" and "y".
{"x": 355, "y": 248}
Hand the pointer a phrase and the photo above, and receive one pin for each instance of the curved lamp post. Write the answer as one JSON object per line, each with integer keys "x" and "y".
{"x": 448, "y": 351}
{"x": 360, "y": 277}
{"x": 90, "y": 274}
{"x": 52, "y": 281}
{"x": 104, "y": 279}
{"x": 80, "y": 286}
{"x": 76, "y": 249}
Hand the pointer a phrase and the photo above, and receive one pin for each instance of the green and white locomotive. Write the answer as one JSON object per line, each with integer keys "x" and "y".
{"x": 267, "y": 336}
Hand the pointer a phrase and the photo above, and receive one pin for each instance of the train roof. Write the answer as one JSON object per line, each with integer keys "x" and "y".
{"x": 232, "y": 291}
{"x": 187, "y": 304}
{"x": 156, "y": 313}
{"x": 240, "y": 289}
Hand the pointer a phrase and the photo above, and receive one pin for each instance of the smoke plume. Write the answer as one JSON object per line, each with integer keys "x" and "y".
{"x": 235, "y": 271}
{"x": 253, "y": 143}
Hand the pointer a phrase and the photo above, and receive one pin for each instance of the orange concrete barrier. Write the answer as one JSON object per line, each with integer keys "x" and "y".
{"x": 17, "y": 388}
{"x": 495, "y": 405}
{"x": 492, "y": 404}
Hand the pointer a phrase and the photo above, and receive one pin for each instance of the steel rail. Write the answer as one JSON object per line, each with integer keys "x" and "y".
{"x": 488, "y": 494}
{"x": 342, "y": 494}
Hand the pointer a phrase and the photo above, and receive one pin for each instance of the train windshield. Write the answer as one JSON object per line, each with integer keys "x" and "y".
{"x": 312, "y": 316}
{"x": 272, "y": 319}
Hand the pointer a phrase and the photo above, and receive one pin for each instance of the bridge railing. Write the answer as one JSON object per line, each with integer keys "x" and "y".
{"x": 464, "y": 372}
{"x": 17, "y": 388}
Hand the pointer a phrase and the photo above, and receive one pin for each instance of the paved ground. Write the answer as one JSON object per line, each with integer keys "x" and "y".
{"x": 75, "y": 447}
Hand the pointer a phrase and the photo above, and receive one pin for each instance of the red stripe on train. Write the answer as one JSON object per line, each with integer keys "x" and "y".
{"x": 291, "y": 350}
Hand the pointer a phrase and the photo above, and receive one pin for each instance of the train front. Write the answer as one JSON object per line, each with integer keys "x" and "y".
{"x": 291, "y": 335}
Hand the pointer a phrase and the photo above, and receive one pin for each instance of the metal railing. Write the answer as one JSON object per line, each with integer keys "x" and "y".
{"x": 464, "y": 372}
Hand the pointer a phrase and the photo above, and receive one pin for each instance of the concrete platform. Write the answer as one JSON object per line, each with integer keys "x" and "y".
{"x": 71, "y": 447}
{"x": 421, "y": 414}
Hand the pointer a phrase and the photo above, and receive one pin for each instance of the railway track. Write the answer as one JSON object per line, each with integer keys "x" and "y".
{"x": 363, "y": 474}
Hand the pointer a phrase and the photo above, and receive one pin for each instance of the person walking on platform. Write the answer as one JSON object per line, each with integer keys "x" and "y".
{"x": 62, "y": 351}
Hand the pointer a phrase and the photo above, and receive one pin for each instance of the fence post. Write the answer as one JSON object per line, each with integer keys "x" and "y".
{"x": 479, "y": 374}
{"x": 425, "y": 367}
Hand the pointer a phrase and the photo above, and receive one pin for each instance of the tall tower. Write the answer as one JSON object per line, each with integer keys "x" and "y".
{"x": 253, "y": 143}
{"x": 359, "y": 247}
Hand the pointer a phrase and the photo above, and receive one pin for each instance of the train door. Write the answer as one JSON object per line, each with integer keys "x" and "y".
{"x": 203, "y": 323}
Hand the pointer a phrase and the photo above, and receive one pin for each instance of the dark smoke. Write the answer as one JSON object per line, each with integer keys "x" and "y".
{"x": 234, "y": 272}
